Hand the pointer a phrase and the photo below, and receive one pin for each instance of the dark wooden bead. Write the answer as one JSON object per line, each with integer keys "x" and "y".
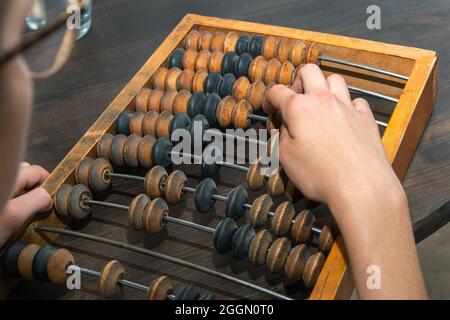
{"x": 196, "y": 104}
{"x": 242, "y": 65}
{"x": 179, "y": 121}
{"x": 189, "y": 292}
{"x": 160, "y": 288}
{"x": 259, "y": 211}
{"x": 212, "y": 100}
{"x": 241, "y": 241}
{"x": 277, "y": 255}
{"x": 40, "y": 262}
{"x": 122, "y": 123}
{"x": 161, "y": 152}
{"x": 175, "y": 60}
{"x": 109, "y": 279}
{"x": 61, "y": 199}
{"x": 154, "y": 182}
{"x": 229, "y": 62}
{"x": 234, "y": 207}
{"x": 98, "y": 175}
{"x": 255, "y": 46}
{"x": 223, "y": 235}
{"x": 242, "y": 44}
{"x": 207, "y": 296}
{"x": 10, "y": 259}
{"x": 198, "y": 126}
{"x": 212, "y": 82}
{"x": 259, "y": 246}
{"x": 313, "y": 268}
{"x": 225, "y": 87}
{"x": 282, "y": 219}
{"x": 295, "y": 262}
{"x": 203, "y": 195}
{"x": 78, "y": 209}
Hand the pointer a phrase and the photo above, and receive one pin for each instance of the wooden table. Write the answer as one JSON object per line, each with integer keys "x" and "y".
{"x": 123, "y": 36}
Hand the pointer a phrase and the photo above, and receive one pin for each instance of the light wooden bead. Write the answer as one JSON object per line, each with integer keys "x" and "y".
{"x": 284, "y": 75}
{"x": 224, "y": 111}
{"x": 189, "y": 57}
{"x": 257, "y": 68}
{"x": 154, "y": 100}
{"x": 282, "y": 218}
{"x": 160, "y": 288}
{"x": 191, "y": 41}
{"x": 155, "y": 180}
{"x": 215, "y": 61}
{"x": 283, "y": 49}
{"x": 145, "y": 151}
{"x": 269, "y": 48}
{"x": 255, "y": 178}
{"x": 259, "y": 246}
{"x": 163, "y": 123}
{"x": 240, "y": 114}
{"x": 296, "y": 72}
{"x": 154, "y": 215}
{"x": 313, "y": 268}
{"x": 198, "y": 81}
{"x": 25, "y": 260}
{"x": 295, "y": 262}
{"x": 131, "y": 150}
{"x": 255, "y": 94}
{"x": 135, "y": 124}
{"x": 109, "y": 277}
{"x": 172, "y": 78}
{"x": 57, "y": 265}
{"x": 240, "y": 88}
{"x": 117, "y": 149}
{"x": 202, "y": 60}
{"x": 297, "y": 53}
{"x": 149, "y": 123}
{"x": 82, "y": 171}
{"x": 136, "y": 211}
{"x": 167, "y": 100}
{"x": 229, "y": 43}
{"x": 104, "y": 146}
{"x": 277, "y": 255}
{"x": 61, "y": 199}
{"x": 217, "y": 41}
{"x": 181, "y": 101}
{"x": 258, "y": 214}
{"x": 185, "y": 80}
{"x": 301, "y": 228}
{"x": 174, "y": 184}
{"x": 159, "y": 78}
{"x": 204, "y": 40}
{"x": 275, "y": 184}
{"x": 264, "y": 96}
{"x": 140, "y": 102}
{"x": 327, "y": 236}
{"x": 313, "y": 54}
{"x": 271, "y": 71}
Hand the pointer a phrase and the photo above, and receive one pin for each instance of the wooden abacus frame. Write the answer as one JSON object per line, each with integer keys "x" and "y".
{"x": 400, "y": 138}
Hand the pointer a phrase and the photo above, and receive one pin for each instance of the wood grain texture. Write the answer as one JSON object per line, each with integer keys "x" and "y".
{"x": 111, "y": 53}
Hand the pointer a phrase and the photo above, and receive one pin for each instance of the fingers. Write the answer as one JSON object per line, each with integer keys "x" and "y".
{"x": 313, "y": 79}
{"x": 277, "y": 97}
{"x": 29, "y": 177}
{"x": 362, "y": 105}
{"x": 338, "y": 87}
{"x": 24, "y": 164}
{"x": 297, "y": 85}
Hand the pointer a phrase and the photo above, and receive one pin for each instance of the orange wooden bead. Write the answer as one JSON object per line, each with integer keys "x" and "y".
{"x": 204, "y": 40}
{"x": 255, "y": 94}
{"x": 135, "y": 124}
{"x": 215, "y": 61}
{"x": 172, "y": 78}
{"x": 159, "y": 78}
{"x": 284, "y": 75}
{"x": 189, "y": 58}
{"x": 181, "y": 101}
{"x": 163, "y": 123}
{"x": 224, "y": 111}
{"x": 283, "y": 49}
{"x": 295, "y": 72}
{"x": 229, "y": 43}
{"x": 198, "y": 81}
{"x": 264, "y": 100}
{"x": 240, "y": 88}
{"x": 272, "y": 67}
{"x": 297, "y": 53}
{"x": 240, "y": 114}
{"x": 185, "y": 79}
{"x": 167, "y": 100}
{"x": 269, "y": 48}
{"x": 191, "y": 41}
{"x": 140, "y": 102}
{"x": 202, "y": 60}
{"x": 217, "y": 41}
{"x": 313, "y": 53}
{"x": 257, "y": 68}
{"x": 154, "y": 100}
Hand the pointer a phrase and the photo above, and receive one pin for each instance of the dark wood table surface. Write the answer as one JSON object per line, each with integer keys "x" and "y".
{"x": 123, "y": 36}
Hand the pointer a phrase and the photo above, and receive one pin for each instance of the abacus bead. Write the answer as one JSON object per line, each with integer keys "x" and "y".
{"x": 196, "y": 104}
{"x": 223, "y": 235}
{"x": 77, "y": 208}
{"x": 295, "y": 262}
{"x": 167, "y": 100}
{"x": 98, "y": 175}
{"x": 212, "y": 82}
{"x": 234, "y": 206}
{"x": 122, "y": 124}
{"x": 209, "y": 165}
{"x": 176, "y": 58}
{"x": 149, "y": 123}
{"x": 10, "y": 259}
{"x": 203, "y": 195}
{"x": 179, "y": 121}
{"x": 145, "y": 151}
{"x": 255, "y": 178}
{"x": 140, "y": 102}
{"x": 198, "y": 81}
{"x": 242, "y": 44}
{"x": 82, "y": 171}
{"x": 212, "y": 100}
{"x": 136, "y": 123}
{"x": 189, "y": 292}
{"x": 161, "y": 152}
{"x": 277, "y": 254}
{"x": 185, "y": 79}
{"x": 275, "y": 184}
{"x": 160, "y": 288}
{"x": 57, "y": 265}
{"x": 207, "y": 296}
{"x": 257, "y": 68}
{"x": 181, "y": 101}
{"x": 327, "y": 236}
{"x": 109, "y": 279}
{"x": 313, "y": 268}
{"x": 25, "y": 260}
{"x": 204, "y": 40}
{"x": 271, "y": 71}
{"x": 174, "y": 184}
{"x": 163, "y": 123}
{"x": 255, "y": 94}
{"x": 189, "y": 58}
{"x": 202, "y": 60}
{"x": 217, "y": 42}
{"x": 61, "y": 199}
{"x": 259, "y": 246}
{"x": 297, "y": 53}
{"x": 301, "y": 228}
{"x": 242, "y": 65}
{"x": 172, "y": 78}
{"x": 240, "y": 88}
{"x": 40, "y": 262}
{"x": 154, "y": 181}
{"x": 240, "y": 114}
{"x": 154, "y": 215}
{"x": 229, "y": 62}
{"x": 191, "y": 41}
{"x": 313, "y": 53}
{"x": 259, "y": 211}
{"x": 229, "y": 43}
{"x": 255, "y": 46}
{"x": 224, "y": 110}
{"x": 198, "y": 126}
{"x": 282, "y": 219}
{"x": 131, "y": 150}
{"x": 269, "y": 47}
{"x": 117, "y": 149}
{"x": 154, "y": 100}
{"x": 274, "y": 121}
{"x": 284, "y": 75}
{"x": 136, "y": 211}
{"x": 283, "y": 49}
{"x": 241, "y": 241}
{"x": 104, "y": 146}
{"x": 225, "y": 86}
{"x": 159, "y": 78}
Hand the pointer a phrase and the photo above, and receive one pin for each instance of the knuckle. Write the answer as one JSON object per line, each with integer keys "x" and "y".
{"x": 310, "y": 67}
{"x": 336, "y": 78}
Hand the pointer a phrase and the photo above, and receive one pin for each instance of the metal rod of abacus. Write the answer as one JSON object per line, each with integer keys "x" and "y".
{"x": 161, "y": 256}
{"x": 381, "y": 123}
{"x": 373, "y": 94}
{"x": 364, "y": 67}
{"x": 124, "y": 176}
{"x": 257, "y": 118}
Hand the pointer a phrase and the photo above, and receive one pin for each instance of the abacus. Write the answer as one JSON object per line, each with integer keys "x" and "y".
{"x": 216, "y": 72}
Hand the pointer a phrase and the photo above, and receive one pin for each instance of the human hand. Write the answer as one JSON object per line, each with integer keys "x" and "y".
{"x": 27, "y": 199}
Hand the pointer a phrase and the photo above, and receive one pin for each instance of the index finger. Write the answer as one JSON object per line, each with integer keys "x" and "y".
{"x": 276, "y": 97}
{"x": 29, "y": 177}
